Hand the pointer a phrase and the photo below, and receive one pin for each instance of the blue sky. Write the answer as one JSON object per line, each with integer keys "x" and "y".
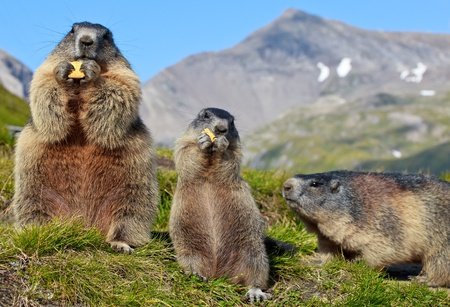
{"x": 157, "y": 34}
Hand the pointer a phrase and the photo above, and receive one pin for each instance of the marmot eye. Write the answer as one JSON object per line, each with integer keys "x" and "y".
{"x": 72, "y": 30}
{"x": 206, "y": 115}
{"x": 314, "y": 184}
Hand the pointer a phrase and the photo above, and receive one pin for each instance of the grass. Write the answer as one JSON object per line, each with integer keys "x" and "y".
{"x": 63, "y": 263}
{"x": 13, "y": 111}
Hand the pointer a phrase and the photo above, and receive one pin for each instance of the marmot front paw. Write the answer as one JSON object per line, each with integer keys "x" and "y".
{"x": 204, "y": 141}
{"x": 122, "y": 247}
{"x": 221, "y": 144}
{"x": 62, "y": 72}
{"x": 91, "y": 70}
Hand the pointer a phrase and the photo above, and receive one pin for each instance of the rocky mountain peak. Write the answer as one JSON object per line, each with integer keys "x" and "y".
{"x": 14, "y": 75}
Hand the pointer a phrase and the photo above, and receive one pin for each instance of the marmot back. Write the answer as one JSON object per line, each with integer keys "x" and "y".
{"x": 384, "y": 218}
{"x": 215, "y": 225}
{"x": 86, "y": 153}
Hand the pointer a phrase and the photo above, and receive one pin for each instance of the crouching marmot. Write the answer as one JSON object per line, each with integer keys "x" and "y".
{"x": 384, "y": 218}
{"x": 215, "y": 225}
{"x": 86, "y": 152}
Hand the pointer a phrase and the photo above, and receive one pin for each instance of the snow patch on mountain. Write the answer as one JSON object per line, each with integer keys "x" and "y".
{"x": 427, "y": 93}
{"x": 324, "y": 72}
{"x": 415, "y": 75}
{"x": 344, "y": 67}
{"x": 396, "y": 153}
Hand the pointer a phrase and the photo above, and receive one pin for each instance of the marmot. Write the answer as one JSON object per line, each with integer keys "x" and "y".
{"x": 86, "y": 152}
{"x": 215, "y": 225}
{"x": 384, "y": 218}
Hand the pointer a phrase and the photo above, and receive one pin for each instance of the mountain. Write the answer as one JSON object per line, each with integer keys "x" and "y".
{"x": 293, "y": 62}
{"x": 14, "y": 75}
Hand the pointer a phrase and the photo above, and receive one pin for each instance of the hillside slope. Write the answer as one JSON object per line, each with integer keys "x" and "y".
{"x": 13, "y": 111}
{"x": 433, "y": 160}
{"x": 334, "y": 133}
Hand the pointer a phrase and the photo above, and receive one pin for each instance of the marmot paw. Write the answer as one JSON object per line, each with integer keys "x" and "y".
{"x": 204, "y": 141}
{"x": 257, "y": 295}
{"x": 91, "y": 70}
{"x": 221, "y": 144}
{"x": 203, "y": 278}
{"x": 122, "y": 247}
{"x": 62, "y": 72}
{"x": 423, "y": 279}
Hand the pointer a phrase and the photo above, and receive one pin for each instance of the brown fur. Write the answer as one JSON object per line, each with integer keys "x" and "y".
{"x": 215, "y": 225}
{"x": 384, "y": 218}
{"x": 86, "y": 153}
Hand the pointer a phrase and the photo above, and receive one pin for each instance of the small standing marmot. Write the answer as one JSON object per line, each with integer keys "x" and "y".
{"x": 215, "y": 225}
{"x": 384, "y": 218}
{"x": 86, "y": 152}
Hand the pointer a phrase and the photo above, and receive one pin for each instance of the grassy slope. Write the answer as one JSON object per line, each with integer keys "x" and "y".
{"x": 332, "y": 135}
{"x": 13, "y": 111}
{"x": 63, "y": 263}
{"x": 432, "y": 160}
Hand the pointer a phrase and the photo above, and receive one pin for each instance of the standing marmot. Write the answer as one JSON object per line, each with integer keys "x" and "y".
{"x": 86, "y": 152}
{"x": 215, "y": 226}
{"x": 384, "y": 218}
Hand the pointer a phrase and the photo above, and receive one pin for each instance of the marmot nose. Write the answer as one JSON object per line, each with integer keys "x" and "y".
{"x": 86, "y": 40}
{"x": 288, "y": 187}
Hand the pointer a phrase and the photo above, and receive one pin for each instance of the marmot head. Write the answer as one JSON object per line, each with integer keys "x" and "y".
{"x": 316, "y": 196}
{"x": 219, "y": 121}
{"x": 89, "y": 41}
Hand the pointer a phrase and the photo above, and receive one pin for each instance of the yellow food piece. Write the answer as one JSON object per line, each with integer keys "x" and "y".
{"x": 210, "y": 134}
{"x": 76, "y": 73}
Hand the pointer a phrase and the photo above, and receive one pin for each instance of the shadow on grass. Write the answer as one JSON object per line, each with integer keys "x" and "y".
{"x": 403, "y": 271}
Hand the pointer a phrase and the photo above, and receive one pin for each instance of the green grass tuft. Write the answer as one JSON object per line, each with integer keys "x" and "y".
{"x": 56, "y": 236}
{"x": 167, "y": 183}
{"x": 13, "y": 111}
{"x": 446, "y": 176}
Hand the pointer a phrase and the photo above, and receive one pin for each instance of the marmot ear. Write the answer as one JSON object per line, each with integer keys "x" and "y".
{"x": 201, "y": 113}
{"x": 335, "y": 185}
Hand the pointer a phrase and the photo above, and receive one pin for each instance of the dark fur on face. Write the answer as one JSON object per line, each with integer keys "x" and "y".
{"x": 89, "y": 41}
{"x": 311, "y": 195}
{"x": 219, "y": 121}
